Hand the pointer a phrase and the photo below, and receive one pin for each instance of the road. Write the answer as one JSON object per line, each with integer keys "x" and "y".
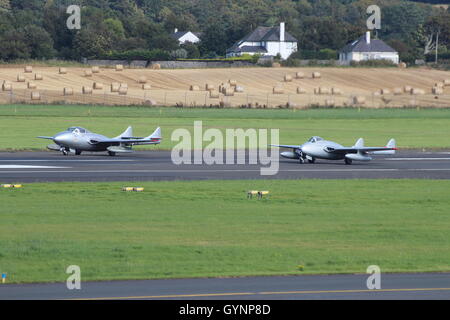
{"x": 341, "y": 287}
{"x": 157, "y": 165}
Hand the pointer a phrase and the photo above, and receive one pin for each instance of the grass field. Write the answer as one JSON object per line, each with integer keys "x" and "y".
{"x": 413, "y": 128}
{"x": 201, "y": 229}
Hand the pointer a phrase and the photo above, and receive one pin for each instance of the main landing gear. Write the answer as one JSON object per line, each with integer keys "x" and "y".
{"x": 111, "y": 154}
{"x": 348, "y": 161}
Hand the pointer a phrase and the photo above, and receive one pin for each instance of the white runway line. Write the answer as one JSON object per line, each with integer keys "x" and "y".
{"x": 65, "y": 160}
{"x": 416, "y": 159}
{"x": 29, "y": 167}
{"x": 222, "y": 171}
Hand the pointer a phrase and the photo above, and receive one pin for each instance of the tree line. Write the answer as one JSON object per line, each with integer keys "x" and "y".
{"x": 36, "y": 29}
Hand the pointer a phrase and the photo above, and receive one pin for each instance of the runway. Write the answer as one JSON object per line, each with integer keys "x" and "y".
{"x": 434, "y": 286}
{"x": 21, "y": 167}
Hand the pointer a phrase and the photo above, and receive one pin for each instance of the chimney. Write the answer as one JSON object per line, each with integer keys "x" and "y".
{"x": 175, "y": 31}
{"x": 368, "y": 37}
{"x": 282, "y": 31}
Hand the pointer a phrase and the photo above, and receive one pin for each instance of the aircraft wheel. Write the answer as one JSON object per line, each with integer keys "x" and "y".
{"x": 301, "y": 160}
{"x": 64, "y": 152}
{"x": 348, "y": 161}
{"x": 77, "y": 152}
{"x": 313, "y": 160}
{"x": 111, "y": 154}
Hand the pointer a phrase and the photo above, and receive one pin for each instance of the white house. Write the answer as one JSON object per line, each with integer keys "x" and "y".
{"x": 366, "y": 48}
{"x": 267, "y": 41}
{"x": 186, "y": 36}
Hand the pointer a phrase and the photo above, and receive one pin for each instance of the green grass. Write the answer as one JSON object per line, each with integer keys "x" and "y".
{"x": 413, "y": 128}
{"x": 209, "y": 228}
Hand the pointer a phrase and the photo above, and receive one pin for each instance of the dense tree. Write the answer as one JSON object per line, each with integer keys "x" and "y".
{"x": 322, "y": 26}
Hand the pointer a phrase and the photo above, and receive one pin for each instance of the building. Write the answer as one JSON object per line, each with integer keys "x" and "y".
{"x": 266, "y": 41}
{"x": 184, "y": 37}
{"x": 366, "y": 48}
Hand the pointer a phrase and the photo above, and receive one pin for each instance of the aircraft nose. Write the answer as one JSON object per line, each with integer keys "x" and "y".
{"x": 62, "y": 139}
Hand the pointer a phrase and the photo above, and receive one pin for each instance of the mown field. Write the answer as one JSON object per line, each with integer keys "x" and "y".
{"x": 203, "y": 229}
{"x": 413, "y": 128}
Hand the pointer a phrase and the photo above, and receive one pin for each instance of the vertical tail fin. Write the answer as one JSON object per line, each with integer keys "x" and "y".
{"x": 126, "y": 134}
{"x": 359, "y": 143}
{"x": 155, "y": 135}
{"x": 391, "y": 144}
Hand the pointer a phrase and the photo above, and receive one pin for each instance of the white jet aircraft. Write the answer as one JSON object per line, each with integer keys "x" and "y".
{"x": 318, "y": 148}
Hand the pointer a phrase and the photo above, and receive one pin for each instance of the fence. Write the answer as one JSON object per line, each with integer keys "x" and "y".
{"x": 202, "y": 98}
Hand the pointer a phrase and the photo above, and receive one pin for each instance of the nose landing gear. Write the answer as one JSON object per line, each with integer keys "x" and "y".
{"x": 64, "y": 151}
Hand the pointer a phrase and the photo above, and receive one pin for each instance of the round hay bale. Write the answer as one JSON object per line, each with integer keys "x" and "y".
{"x": 210, "y": 87}
{"x": 146, "y": 86}
{"x": 156, "y": 66}
{"x": 446, "y": 82}
{"x": 229, "y": 92}
{"x": 376, "y": 94}
{"x": 238, "y": 89}
{"x": 149, "y": 102}
{"x": 95, "y": 69}
{"x": 301, "y": 90}
{"x": 142, "y": 79}
{"x": 437, "y": 91}
{"x": 98, "y": 86}
{"x": 115, "y": 86}
{"x": 323, "y": 90}
{"x": 276, "y": 65}
{"x": 402, "y": 65}
{"x": 31, "y": 85}
{"x": 385, "y": 91}
{"x": 336, "y": 91}
{"x": 329, "y": 103}
{"x": 300, "y": 75}
{"x": 68, "y": 91}
{"x": 62, "y": 71}
{"x": 407, "y": 89}
{"x": 278, "y": 90}
{"x": 439, "y": 84}
{"x": 20, "y": 78}
{"x": 87, "y": 90}
{"x": 88, "y": 73}
{"x": 119, "y": 67}
{"x": 213, "y": 94}
{"x": 232, "y": 83}
{"x": 38, "y": 76}
{"x": 398, "y": 91}
{"x": 28, "y": 69}
{"x": 316, "y": 75}
{"x": 124, "y": 85}
{"x": 417, "y": 92}
{"x": 194, "y": 88}
{"x": 287, "y": 78}
{"x": 123, "y": 91}
{"x": 35, "y": 96}
{"x": 359, "y": 100}
{"x": 6, "y": 86}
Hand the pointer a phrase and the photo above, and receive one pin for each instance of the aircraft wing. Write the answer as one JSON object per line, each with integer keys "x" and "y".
{"x": 356, "y": 150}
{"x": 285, "y": 146}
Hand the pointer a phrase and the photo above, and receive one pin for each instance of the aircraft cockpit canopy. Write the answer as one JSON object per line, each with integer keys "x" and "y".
{"x": 315, "y": 139}
{"x": 78, "y": 129}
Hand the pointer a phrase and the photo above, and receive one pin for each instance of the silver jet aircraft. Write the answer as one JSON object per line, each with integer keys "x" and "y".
{"x": 77, "y": 140}
{"x": 318, "y": 148}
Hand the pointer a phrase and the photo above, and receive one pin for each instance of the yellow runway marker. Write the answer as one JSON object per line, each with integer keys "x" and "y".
{"x": 266, "y": 293}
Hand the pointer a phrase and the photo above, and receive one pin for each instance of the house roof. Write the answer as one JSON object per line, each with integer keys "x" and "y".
{"x": 178, "y": 35}
{"x": 267, "y": 34}
{"x": 361, "y": 45}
